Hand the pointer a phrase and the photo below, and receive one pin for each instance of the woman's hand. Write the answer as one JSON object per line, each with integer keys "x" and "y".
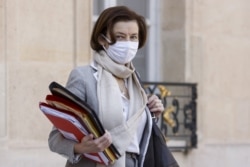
{"x": 91, "y": 145}
{"x": 155, "y": 105}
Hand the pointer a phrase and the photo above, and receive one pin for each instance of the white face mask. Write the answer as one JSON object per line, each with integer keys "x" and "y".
{"x": 122, "y": 52}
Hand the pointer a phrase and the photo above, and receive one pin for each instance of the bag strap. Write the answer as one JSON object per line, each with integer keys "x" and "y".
{"x": 139, "y": 78}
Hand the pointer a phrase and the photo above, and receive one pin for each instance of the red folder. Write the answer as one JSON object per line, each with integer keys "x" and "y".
{"x": 71, "y": 128}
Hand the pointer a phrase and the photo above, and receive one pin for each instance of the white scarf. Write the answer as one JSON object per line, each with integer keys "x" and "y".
{"x": 110, "y": 102}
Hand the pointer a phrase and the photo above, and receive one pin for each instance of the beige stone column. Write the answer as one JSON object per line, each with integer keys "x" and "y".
{"x": 45, "y": 40}
{"x": 218, "y": 60}
{"x": 40, "y": 42}
{"x": 173, "y": 37}
{"x": 2, "y": 71}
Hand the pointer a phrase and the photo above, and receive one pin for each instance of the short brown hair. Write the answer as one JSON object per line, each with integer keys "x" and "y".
{"x": 109, "y": 17}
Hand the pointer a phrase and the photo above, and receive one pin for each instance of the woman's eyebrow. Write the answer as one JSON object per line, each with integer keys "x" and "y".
{"x": 135, "y": 34}
{"x": 121, "y": 33}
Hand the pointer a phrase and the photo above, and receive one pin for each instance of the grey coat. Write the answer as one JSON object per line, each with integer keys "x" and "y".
{"x": 82, "y": 83}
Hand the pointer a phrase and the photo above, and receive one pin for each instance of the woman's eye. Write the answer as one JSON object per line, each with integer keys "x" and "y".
{"x": 119, "y": 37}
{"x": 124, "y": 38}
{"x": 134, "y": 38}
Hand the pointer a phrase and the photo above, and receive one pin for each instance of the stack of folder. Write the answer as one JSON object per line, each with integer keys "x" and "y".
{"x": 75, "y": 119}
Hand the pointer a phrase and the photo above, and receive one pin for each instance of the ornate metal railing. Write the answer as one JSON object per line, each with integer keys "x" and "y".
{"x": 178, "y": 121}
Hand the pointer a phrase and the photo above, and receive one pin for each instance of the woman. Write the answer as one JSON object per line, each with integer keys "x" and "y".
{"x": 111, "y": 87}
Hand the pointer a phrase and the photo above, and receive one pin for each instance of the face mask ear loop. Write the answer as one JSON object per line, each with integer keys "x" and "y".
{"x": 104, "y": 48}
{"x": 108, "y": 40}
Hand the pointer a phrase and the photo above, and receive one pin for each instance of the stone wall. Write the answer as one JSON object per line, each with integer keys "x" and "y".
{"x": 173, "y": 36}
{"x": 40, "y": 42}
{"x": 216, "y": 57}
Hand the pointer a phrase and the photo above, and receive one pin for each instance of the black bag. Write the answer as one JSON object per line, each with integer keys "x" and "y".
{"x": 158, "y": 154}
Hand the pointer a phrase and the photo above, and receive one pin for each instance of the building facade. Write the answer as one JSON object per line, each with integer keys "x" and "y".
{"x": 204, "y": 42}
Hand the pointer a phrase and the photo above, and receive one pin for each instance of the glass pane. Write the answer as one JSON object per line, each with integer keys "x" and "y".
{"x": 98, "y": 7}
{"x": 140, "y": 6}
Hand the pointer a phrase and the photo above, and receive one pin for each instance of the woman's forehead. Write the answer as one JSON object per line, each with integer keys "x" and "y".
{"x": 126, "y": 27}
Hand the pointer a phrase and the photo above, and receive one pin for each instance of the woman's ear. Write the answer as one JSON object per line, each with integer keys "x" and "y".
{"x": 102, "y": 41}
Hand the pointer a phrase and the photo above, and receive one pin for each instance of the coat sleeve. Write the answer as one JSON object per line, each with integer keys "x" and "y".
{"x": 62, "y": 146}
